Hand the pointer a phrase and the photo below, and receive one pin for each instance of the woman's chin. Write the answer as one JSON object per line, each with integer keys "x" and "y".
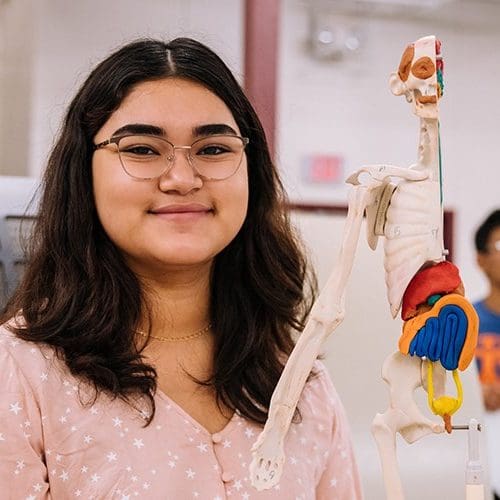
{"x": 171, "y": 259}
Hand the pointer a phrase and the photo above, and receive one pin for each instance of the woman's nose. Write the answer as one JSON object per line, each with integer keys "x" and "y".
{"x": 180, "y": 175}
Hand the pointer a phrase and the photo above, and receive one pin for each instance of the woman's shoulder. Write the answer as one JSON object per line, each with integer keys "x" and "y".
{"x": 21, "y": 359}
{"x": 319, "y": 396}
{"x": 320, "y": 382}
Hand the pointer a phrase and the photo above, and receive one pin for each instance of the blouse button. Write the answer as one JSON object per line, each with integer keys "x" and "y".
{"x": 216, "y": 438}
{"x": 227, "y": 476}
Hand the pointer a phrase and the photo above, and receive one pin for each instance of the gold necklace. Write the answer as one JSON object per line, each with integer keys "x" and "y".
{"x": 194, "y": 335}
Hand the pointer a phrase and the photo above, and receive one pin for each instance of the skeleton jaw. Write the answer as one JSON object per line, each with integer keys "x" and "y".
{"x": 425, "y": 104}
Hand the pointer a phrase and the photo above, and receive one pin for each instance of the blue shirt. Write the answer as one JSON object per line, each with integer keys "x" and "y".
{"x": 488, "y": 346}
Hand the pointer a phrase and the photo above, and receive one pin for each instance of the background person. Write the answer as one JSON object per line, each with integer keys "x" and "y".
{"x": 487, "y": 242}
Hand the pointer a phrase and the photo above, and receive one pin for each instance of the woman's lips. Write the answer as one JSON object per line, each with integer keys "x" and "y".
{"x": 182, "y": 212}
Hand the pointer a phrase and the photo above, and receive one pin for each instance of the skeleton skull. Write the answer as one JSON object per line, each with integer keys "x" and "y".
{"x": 419, "y": 76}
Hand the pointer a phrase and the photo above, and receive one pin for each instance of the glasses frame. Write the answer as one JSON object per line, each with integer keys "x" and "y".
{"x": 117, "y": 138}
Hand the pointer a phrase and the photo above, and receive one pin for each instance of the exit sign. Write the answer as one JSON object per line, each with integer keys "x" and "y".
{"x": 323, "y": 169}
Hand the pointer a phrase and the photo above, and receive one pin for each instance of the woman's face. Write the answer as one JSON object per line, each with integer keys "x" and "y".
{"x": 178, "y": 219}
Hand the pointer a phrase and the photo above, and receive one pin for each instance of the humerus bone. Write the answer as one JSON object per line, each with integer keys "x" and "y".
{"x": 326, "y": 314}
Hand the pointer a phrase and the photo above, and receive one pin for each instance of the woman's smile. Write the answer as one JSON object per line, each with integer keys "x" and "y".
{"x": 181, "y": 212}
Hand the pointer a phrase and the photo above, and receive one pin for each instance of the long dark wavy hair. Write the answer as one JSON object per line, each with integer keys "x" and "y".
{"x": 79, "y": 296}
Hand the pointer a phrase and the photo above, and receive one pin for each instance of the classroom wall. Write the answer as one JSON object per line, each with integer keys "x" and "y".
{"x": 16, "y": 82}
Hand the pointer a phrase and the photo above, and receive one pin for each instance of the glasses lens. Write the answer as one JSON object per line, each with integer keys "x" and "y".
{"x": 144, "y": 157}
{"x": 217, "y": 157}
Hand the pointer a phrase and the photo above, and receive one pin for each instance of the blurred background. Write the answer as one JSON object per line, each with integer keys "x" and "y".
{"x": 317, "y": 72}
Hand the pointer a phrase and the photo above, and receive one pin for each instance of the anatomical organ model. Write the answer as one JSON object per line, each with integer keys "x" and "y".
{"x": 404, "y": 206}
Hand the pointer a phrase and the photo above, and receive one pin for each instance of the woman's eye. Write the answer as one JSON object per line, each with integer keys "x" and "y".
{"x": 140, "y": 150}
{"x": 213, "y": 150}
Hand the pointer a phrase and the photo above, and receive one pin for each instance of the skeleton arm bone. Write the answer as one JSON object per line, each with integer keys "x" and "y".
{"x": 326, "y": 314}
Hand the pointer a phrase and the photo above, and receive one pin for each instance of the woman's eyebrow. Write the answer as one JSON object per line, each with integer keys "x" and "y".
{"x": 198, "y": 131}
{"x": 213, "y": 129}
{"x": 139, "y": 128}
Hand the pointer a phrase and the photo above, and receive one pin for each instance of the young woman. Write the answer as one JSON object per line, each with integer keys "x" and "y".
{"x": 140, "y": 352}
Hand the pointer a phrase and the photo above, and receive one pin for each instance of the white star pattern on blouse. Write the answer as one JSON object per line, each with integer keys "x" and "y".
{"x": 203, "y": 447}
{"x": 1, "y": 437}
{"x": 95, "y": 478}
{"x": 88, "y": 438}
{"x": 111, "y": 456}
{"x": 190, "y": 473}
{"x": 37, "y": 487}
{"x": 226, "y": 443}
{"x": 249, "y": 433}
{"x": 138, "y": 443}
{"x": 117, "y": 422}
{"x": 64, "y": 475}
{"x": 15, "y": 407}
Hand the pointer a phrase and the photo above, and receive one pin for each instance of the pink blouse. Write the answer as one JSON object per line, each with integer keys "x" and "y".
{"x": 56, "y": 444}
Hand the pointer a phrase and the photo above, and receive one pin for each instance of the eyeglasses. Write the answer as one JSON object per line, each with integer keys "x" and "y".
{"x": 146, "y": 157}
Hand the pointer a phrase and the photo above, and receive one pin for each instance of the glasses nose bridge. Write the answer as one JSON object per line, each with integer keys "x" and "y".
{"x": 187, "y": 150}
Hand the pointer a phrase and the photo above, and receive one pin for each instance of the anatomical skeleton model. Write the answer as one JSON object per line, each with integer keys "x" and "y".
{"x": 404, "y": 205}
